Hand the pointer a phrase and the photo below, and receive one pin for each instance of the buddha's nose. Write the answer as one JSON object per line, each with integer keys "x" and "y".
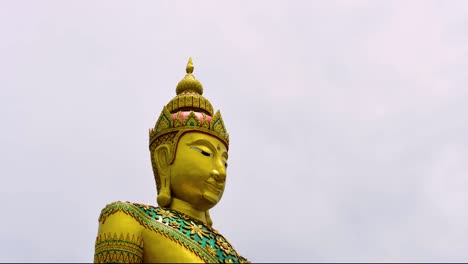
{"x": 219, "y": 176}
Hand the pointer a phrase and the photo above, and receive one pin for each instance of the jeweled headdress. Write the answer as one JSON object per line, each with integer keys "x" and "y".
{"x": 187, "y": 111}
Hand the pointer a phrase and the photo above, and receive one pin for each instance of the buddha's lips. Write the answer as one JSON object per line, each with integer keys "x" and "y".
{"x": 218, "y": 188}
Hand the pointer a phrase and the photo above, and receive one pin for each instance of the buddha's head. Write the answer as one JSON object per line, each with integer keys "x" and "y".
{"x": 189, "y": 146}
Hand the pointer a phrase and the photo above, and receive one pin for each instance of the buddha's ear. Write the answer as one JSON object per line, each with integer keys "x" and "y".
{"x": 162, "y": 157}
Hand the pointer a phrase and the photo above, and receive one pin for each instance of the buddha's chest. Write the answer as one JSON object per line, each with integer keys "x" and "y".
{"x": 171, "y": 237}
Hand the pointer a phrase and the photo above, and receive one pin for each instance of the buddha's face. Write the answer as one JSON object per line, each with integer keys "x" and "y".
{"x": 198, "y": 173}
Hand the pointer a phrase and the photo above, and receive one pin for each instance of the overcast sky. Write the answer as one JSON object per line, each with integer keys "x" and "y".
{"x": 347, "y": 120}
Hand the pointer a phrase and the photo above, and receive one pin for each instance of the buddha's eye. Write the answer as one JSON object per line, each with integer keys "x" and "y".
{"x": 202, "y": 151}
{"x": 205, "y": 153}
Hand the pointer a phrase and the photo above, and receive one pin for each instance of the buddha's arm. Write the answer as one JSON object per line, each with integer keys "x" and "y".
{"x": 119, "y": 240}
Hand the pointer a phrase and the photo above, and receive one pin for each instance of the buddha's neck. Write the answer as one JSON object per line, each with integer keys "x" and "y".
{"x": 188, "y": 209}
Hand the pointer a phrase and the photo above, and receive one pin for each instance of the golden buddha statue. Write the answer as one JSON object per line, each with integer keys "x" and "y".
{"x": 189, "y": 152}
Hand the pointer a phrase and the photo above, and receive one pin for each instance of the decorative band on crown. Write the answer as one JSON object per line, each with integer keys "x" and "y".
{"x": 190, "y": 101}
{"x": 190, "y": 120}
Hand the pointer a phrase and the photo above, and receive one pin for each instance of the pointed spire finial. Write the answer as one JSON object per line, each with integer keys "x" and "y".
{"x": 189, "y": 68}
{"x": 189, "y": 83}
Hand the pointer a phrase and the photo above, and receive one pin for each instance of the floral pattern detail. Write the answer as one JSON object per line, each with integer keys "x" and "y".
{"x": 198, "y": 229}
{"x": 165, "y": 214}
{"x": 201, "y": 239}
{"x": 208, "y": 238}
{"x": 224, "y": 245}
{"x": 211, "y": 250}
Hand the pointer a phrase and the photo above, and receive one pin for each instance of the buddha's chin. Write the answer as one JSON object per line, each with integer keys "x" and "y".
{"x": 211, "y": 198}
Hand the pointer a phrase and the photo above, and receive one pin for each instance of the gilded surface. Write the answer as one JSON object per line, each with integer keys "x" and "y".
{"x": 194, "y": 236}
{"x": 118, "y": 248}
{"x": 189, "y": 153}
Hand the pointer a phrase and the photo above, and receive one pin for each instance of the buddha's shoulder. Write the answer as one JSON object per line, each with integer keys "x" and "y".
{"x": 119, "y": 209}
{"x": 166, "y": 228}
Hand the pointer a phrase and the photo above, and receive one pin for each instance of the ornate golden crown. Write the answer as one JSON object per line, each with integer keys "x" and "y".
{"x": 187, "y": 111}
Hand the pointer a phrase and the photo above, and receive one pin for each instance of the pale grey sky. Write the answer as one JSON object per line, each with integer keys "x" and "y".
{"x": 347, "y": 119}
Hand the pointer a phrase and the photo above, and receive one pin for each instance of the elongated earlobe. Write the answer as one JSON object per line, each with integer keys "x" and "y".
{"x": 162, "y": 156}
{"x": 164, "y": 197}
{"x": 208, "y": 218}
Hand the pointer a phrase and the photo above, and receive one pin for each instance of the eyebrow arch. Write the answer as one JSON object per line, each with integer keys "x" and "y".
{"x": 203, "y": 143}
{"x": 208, "y": 145}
